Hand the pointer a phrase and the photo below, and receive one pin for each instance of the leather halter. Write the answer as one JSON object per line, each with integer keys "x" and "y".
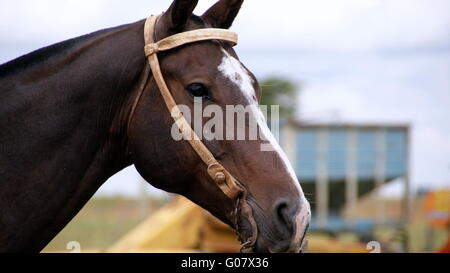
{"x": 229, "y": 185}
{"x": 226, "y": 182}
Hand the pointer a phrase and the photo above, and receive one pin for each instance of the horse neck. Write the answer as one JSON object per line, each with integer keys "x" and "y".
{"x": 67, "y": 120}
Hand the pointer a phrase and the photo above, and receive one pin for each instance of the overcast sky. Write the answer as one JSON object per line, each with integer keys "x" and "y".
{"x": 363, "y": 61}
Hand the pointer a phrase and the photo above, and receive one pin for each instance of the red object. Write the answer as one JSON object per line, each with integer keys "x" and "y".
{"x": 446, "y": 248}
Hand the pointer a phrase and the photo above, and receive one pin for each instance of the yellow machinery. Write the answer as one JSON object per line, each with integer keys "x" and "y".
{"x": 182, "y": 226}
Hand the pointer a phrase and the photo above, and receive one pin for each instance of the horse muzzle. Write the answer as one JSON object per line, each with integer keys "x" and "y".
{"x": 284, "y": 232}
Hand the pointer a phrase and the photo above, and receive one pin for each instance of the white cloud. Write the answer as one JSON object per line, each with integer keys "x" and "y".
{"x": 319, "y": 24}
{"x": 349, "y": 25}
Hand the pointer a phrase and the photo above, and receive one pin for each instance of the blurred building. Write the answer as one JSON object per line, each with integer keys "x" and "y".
{"x": 337, "y": 163}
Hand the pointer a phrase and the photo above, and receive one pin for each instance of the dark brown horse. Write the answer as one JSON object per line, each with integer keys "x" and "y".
{"x": 64, "y": 131}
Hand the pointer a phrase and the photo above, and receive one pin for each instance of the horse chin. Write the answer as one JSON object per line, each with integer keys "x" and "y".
{"x": 253, "y": 241}
{"x": 248, "y": 231}
{"x": 262, "y": 246}
{"x": 262, "y": 243}
{"x": 246, "y": 236}
{"x": 245, "y": 233}
{"x": 256, "y": 237}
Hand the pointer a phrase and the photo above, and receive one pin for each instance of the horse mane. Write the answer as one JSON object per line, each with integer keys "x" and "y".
{"x": 43, "y": 54}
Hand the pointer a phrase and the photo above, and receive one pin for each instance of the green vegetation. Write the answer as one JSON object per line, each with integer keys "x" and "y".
{"x": 102, "y": 222}
{"x": 280, "y": 91}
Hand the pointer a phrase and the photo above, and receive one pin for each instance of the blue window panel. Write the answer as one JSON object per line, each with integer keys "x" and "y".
{"x": 395, "y": 153}
{"x": 337, "y": 154}
{"x": 305, "y": 166}
{"x": 366, "y": 154}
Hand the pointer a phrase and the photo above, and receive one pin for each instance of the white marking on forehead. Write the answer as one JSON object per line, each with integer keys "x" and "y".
{"x": 274, "y": 146}
{"x": 233, "y": 70}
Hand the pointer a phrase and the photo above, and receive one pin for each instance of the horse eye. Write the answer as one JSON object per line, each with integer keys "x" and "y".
{"x": 198, "y": 90}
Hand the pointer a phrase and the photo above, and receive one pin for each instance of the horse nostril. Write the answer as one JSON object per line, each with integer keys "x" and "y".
{"x": 284, "y": 219}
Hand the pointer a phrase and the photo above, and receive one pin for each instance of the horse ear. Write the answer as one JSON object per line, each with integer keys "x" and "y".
{"x": 178, "y": 14}
{"x": 222, "y": 14}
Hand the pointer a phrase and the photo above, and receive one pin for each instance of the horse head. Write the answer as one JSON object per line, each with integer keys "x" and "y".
{"x": 270, "y": 213}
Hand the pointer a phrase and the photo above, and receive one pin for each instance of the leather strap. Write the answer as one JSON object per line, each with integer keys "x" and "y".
{"x": 190, "y": 37}
{"x": 226, "y": 182}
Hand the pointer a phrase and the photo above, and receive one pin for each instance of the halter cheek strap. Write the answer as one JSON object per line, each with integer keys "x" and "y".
{"x": 226, "y": 182}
